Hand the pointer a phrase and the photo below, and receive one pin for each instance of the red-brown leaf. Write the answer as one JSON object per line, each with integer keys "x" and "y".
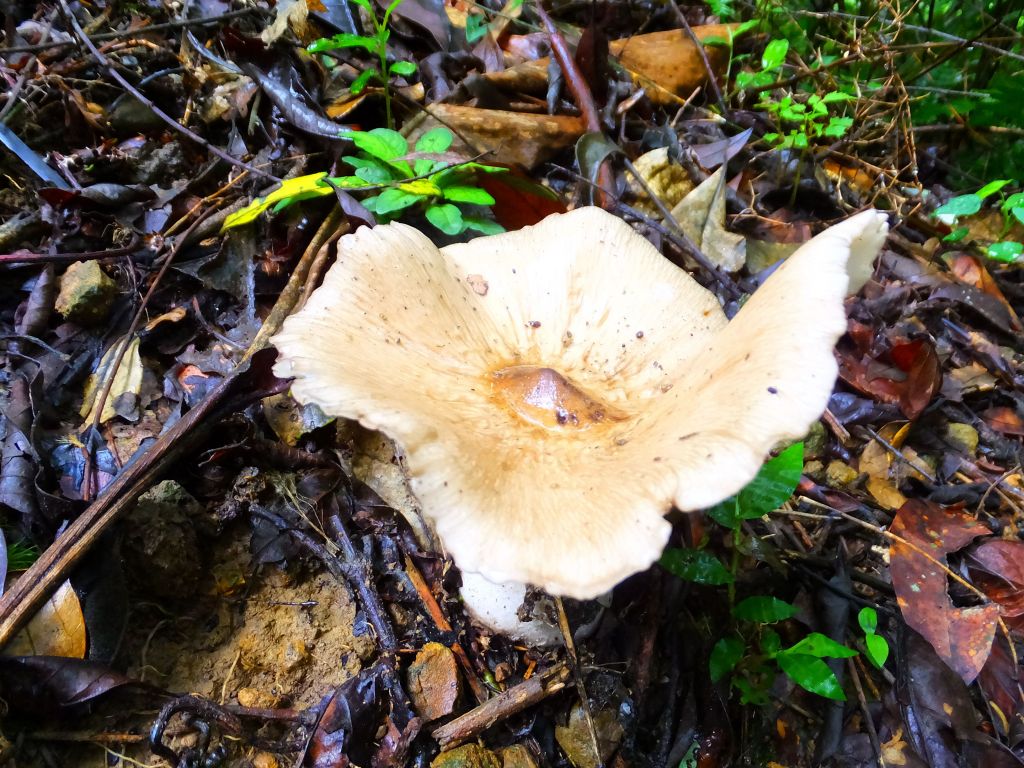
{"x": 961, "y": 636}
{"x": 1005, "y": 420}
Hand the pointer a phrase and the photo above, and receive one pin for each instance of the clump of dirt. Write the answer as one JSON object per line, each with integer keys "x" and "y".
{"x": 256, "y": 636}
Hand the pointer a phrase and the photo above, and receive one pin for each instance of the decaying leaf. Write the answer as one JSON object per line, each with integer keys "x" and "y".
{"x": 876, "y": 462}
{"x": 57, "y": 629}
{"x": 961, "y": 636}
{"x": 513, "y": 138}
{"x": 127, "y": 381}
{"x": 666, "y": 64}
{"x": 701, "y": 214}
{"x": 666, "y": 179}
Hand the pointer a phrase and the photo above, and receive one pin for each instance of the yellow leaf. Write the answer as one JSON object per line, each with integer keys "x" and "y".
{"x": 127, "y": 379}
{"x": 301, "y": 187}
{"x": 422, "y": 187}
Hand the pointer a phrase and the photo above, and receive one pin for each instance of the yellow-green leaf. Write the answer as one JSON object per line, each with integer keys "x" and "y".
{"x": 299, "y": 188}
{"x": 421, "y": 187}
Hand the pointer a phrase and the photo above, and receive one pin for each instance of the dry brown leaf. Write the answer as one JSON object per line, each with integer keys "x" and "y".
{"x": 511, "y": 138}
{"x": 876, "y": 461}
{"x": 667, "y": 64}
{"x": 701, "y": 215}
{"x": 57, "y": 629}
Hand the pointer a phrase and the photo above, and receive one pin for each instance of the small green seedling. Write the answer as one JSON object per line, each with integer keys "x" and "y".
{"x": 752, "y": 668}
{"x": 399, "y": 181}
{"x": 752, "y": 656}
{"x": 1012, "y": 208}
{"x": 812, "y": 119}
{"x": 376, "y": 44}
{"x": 877, "y": 646}
{"x": 772, "y": 59}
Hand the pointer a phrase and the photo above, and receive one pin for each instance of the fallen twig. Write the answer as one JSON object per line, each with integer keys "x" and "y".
{"x": 503, "y": 706}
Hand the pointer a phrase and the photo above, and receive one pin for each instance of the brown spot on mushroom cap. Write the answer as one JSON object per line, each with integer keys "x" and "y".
{"x": 544, "y": 397}
{"x": 571, "y": 510}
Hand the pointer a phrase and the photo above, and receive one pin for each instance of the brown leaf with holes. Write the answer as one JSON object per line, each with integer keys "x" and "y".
{"x": 961, "y": 636}
{"x": 997, "y": 567}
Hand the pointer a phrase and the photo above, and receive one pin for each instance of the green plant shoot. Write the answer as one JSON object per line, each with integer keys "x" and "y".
{"x": 426, "y": 180}
{"x": 375, "y": 44}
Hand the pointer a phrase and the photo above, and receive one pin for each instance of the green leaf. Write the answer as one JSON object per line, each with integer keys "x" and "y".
{"x": 956, "y": 235}
{"x": 811, "y": 674}
{"x": 467, "y": 194}
{"x": 774, "y": 54}
{"x": 1018, "y": 213}
{"x": 770, "y": 641}
{"x": 763, "y": 609}
{"x": 992, "y": 187}
{"x": 1007, "y": 252}
{"x": 877, "y": 648}
{"x": 773, "y": 485}
{"x": 822, "y": 646}
{"x": 435, "y": 140}
{"x": 365, "y": 5}
{"x": 727, "y": 513}
{"x": 447, "y": 218}
{"x": 838, "y": 126}
{"x": 696, "y": 565}
{"x": 391, "y": 200}
{"x": 725, "y": 656}
{"x": 482, "y": 225}
{"x": 476, "y": 27}
{"x": 382, "y": 143}
{"x": 403, "y": 68}
{"x": 963, "y": 205}
{"x": 868, "y": 620}
{"x": 359, "y": 84}
{"x": 345, "y": 40}
{"x": 834, "y": 96}
{"x": 746, "y": 80}
{"x": 1016, "y": 200}
{"x": 373, "y": 175}
{"x": 592, "y": 149}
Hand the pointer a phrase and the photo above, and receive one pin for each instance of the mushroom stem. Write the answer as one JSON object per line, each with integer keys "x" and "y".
{"x": 496, "y": 606}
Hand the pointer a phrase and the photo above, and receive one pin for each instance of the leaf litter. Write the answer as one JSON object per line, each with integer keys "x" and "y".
{"x": 278, "y": 597}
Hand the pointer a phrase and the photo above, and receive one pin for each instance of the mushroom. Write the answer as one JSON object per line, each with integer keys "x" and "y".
{"x": 559, "y": 388}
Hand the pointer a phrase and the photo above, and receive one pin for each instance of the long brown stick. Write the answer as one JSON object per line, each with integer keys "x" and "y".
{"x": 581, "y": 94}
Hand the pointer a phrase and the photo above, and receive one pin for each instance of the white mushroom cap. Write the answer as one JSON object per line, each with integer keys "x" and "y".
{"x": 558, "y": 388}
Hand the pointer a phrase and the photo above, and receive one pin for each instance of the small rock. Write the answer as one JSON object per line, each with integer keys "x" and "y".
{"x": 840, "y": 475}
{"x": 815, "y": 470}
{"x": 86, "y": 293}
{"x": 294, "y": 654}
{"x": 264, "y": 760}
{"x": 578, "y": 742}
{"x": 962, "y": 437}
{"x": 433, "y": 682}
{"x": 466, "y": 756}
{"x": 257, "y": 699}
{"x": 816, "y": 441}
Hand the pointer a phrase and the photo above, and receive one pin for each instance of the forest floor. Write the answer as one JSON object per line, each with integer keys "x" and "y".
{"x": 201, "y": 571}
